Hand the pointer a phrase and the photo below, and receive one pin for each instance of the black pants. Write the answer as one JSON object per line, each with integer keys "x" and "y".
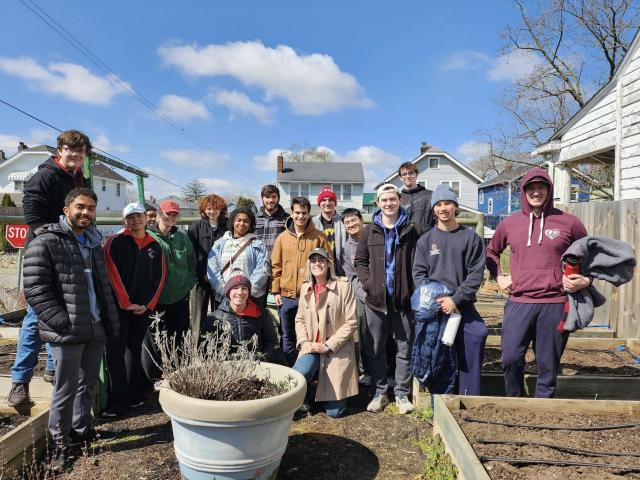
{"x": 201, "y": 297}
{"x": 124, "y": 361}
{"x": 175, "y": 321}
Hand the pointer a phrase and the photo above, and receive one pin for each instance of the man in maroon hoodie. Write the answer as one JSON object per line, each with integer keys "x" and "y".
{"x": 537, "y": 236}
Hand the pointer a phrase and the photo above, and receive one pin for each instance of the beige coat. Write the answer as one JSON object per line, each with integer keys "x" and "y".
{"x": 335, "y": 317}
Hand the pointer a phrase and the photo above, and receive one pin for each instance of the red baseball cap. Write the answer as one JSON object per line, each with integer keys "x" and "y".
{"x": 169, "y": 206}
{"x": 326, "y": 192}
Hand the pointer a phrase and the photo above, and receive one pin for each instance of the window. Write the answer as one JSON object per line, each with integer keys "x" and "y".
{"x": 575, "y": 193}
{"x": 434, "y": 162}
{"x": 304, "y": 190}
{"x": 337, "y": 189}
{"x": 481, "y": 199}
{"x": 104, "y": 185}
{"x": 346, "y": 192}
{"x": 455, "y": 186}
{"x": 117, "y": 189}
{"x": 490, "y": 206}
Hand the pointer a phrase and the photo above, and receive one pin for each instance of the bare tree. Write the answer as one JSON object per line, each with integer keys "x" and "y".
{"x": 194, "y": 190}
{"x": 302, "y": 153}
{"x": 503, "y": 153}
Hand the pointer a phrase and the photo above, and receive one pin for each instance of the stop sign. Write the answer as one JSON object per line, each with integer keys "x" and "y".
{"x": 17, "y": 235}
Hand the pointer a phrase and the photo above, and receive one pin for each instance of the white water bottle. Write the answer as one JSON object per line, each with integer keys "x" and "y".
{"x": 451, "y": 329}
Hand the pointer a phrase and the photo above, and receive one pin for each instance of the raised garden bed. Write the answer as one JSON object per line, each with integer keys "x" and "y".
{"x": 608, "y": 433}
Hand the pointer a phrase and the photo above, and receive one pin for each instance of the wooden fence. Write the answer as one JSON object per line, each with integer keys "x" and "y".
{"x": 619, "y": 220}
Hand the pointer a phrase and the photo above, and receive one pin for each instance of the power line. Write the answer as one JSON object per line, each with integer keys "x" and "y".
{"x": 94, "y": 148}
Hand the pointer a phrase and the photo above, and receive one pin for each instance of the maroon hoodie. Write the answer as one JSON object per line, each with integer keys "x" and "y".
{"x": 536, "y": 246}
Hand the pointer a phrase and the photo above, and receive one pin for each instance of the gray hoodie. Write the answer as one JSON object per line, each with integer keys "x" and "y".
{"x": 348, "y": 255}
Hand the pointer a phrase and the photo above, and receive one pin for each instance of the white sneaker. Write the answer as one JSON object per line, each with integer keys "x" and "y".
{"x": 404, "y": 405}
{"x": 364, "y": 379}
{"x": 378, "y": 403}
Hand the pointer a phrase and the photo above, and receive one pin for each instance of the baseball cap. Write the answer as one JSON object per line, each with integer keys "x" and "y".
{"x": 169, "y": 206}
{"x": 134, "y": 207}
{"x": 319, "y": 251}
{"x": 387, "y": 187}
{"x": 326, "y": 192}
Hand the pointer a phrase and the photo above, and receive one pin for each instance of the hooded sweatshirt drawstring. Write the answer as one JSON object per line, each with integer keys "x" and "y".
{"x": 531, "y": 229}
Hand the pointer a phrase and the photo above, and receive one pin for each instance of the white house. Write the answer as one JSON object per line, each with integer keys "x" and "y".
{"x": 18, "y": 169}
{"x": 306, "y": 179}
{"x": 605, "y": 130}
{"x": 436, "y": 166}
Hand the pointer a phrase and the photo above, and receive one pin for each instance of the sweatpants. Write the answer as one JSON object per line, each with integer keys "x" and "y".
{"x": 288, "y": 312}
{"x": 364, "y": 338}
{"x": 200, "y": 298}
{"x": 124, "y": 361}
{"x": 175, "y": 321}
{"x": 469, "y": 344}
{"x": 77, "y": 369}
{"x": 380, "y": 327}
{"x": 522, "y": 324}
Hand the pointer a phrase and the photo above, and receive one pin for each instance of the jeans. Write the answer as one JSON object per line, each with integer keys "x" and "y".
{"x": 29, "y": 345}
{"x": 308, "y": 365}
{"x": 288, "y": 311}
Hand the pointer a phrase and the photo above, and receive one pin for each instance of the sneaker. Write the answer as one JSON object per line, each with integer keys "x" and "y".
{"x": 303, "y": 412}
{"x": 404, "y": 405}
{"x": 58, "y": 461}
{"x": 49, "y": 376}
{"x": 137, "y": 404}
{"x": 110, "y": 413}
{"x": 364, "y": 379}
{"x": 18, "y": 395}
{"x": 90, "y": 436}
{"x": 378, "y": 403}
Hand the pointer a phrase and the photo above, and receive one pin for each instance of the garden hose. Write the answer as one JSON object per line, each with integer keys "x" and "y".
{"x": 551, "y": 427}
{"x": 561, "y": 463}
{"x": 577, "y": 451}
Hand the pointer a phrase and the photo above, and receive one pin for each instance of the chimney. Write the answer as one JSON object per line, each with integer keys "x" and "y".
{"x": 22, "y": 146}
{"x": 2, "y": 156}
{"x": 424, "y": 147}
{"x": 280, "y": 163}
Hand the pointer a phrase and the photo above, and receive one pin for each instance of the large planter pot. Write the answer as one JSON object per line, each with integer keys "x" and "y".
{"x": 236, "y": 439}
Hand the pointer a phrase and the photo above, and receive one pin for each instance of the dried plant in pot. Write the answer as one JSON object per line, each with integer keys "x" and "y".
{"x": 230, "y": 413}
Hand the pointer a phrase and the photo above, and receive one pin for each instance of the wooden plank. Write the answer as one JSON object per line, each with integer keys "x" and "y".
{"x": 574, "y": 386}
{"x": 16, "y": 441}
{"x": 456, "y": 443}
{"x": 39, "y": 390}
{"x": 603, "y": 407}
{"x": 14, "y": 315}
{"x": 589, "y": 332}
{"x": 581, "y": 342}
{"x": 10, "y": 333}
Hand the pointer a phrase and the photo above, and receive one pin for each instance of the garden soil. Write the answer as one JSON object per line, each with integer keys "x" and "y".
{"x": 359, "y": 446}
{"x": 624, "y": 440}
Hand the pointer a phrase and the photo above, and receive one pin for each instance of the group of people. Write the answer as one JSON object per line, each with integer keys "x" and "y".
{"x": 343, "y": 290}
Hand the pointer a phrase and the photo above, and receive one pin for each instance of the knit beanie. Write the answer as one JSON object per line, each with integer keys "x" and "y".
{"x": 443, "y": 192}
{"x": 237, "y": 279}
{"x": 326, "y": 192}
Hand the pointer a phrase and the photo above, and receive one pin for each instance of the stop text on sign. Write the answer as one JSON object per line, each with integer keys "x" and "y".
{"x": 17, "y": 235}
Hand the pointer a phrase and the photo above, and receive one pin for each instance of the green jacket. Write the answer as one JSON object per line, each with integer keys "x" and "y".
{"x": 181, "y": 264}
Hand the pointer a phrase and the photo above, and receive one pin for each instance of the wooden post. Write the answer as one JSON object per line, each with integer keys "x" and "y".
{"x": 140, "y": 182}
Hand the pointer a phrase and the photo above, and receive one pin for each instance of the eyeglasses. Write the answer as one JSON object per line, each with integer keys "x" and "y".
{"x": 77, "y": 151}
{"x": 408, "y": 174}
{"x": 318, "y": 260}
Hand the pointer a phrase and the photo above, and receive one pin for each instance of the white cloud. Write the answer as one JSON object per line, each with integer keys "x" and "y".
{"x": 471, "y": 150}
{"x": 465, "y": 60}
{"x": 269, "y": 161}
{"x": 195, "y": 158}
{"x": 69, "y": 80}
{"x": 219, "y": 185}
{"x": 182, "y": 108}
{"x": 103, "y": 143}
{"x": 9, "y": 142}
{"x": 239, "y": 103}
{"x": 312, "y": 84}
{"x": 513, "y": 66}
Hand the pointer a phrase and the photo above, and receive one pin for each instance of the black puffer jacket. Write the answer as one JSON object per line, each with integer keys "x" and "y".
{"x": 370, "y": 266}
{"x": 203, "y": 236}
{"x": 417, "y": 204}
{"x": 44, "y": 194}
{"x": 56, "y": 287}
{"x": 255, "y": 320}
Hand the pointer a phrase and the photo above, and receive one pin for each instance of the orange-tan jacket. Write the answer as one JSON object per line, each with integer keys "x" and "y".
{"x": 289, "y": 258}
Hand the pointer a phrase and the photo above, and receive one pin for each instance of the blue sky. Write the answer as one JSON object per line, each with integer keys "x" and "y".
{"x": 369, "y": 80}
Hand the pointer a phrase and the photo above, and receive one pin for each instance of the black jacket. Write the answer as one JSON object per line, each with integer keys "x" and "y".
{"x": 44, "y": 194}
{"x": 136, "y": 273}
{"x": 417, "y": 204}
{"x": 256, "y": 321}
{"x": 56, "y": 287}
{"x": 370, "y": 266}
{"x": 203, "y": 236}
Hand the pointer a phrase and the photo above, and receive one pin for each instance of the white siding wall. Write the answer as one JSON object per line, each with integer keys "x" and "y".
{"x": 108, "y": 200}
{"x": 356, "y": 196}
{"x": 630, "y": 129}
{"x": 446, "y": 171}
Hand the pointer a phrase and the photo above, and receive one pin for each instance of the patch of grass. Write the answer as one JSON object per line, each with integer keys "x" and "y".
{"x": 424, "y": 413}
{"x": 504, "y": 261}
{"x": 437, "y": 464}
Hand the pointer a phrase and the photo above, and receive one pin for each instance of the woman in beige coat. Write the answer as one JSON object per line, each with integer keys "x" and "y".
{"x": 325, "y": 327}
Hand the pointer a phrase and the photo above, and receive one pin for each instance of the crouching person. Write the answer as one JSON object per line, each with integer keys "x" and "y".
{"x": 66, "y": 283}
{"x": 245, "y": 316}
{"x": 454, "y": 256}
{"x": 325, "y": 328}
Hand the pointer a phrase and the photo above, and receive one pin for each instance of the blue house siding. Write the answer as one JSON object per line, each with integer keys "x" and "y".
{"x": 496, "y": 194}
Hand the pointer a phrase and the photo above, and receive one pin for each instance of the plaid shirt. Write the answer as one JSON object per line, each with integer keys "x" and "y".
{"x": 269, "y": 227}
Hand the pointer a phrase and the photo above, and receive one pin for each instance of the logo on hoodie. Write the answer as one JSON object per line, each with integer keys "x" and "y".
{"x": 552, "y": 233}
{"x": 434, "y": 250}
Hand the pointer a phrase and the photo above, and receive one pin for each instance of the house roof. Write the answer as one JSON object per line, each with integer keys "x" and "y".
{"x": 604, "y": 90}
{"x": 322, "y": 172}
{"x": 180, "y": 201}
{"x": 509, "y": 175}
{"x": 431, "y": 151}
{"x": 99, "y": 169}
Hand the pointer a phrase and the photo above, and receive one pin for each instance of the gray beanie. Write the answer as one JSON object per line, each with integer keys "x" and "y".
{"x": 443, "y": 192}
